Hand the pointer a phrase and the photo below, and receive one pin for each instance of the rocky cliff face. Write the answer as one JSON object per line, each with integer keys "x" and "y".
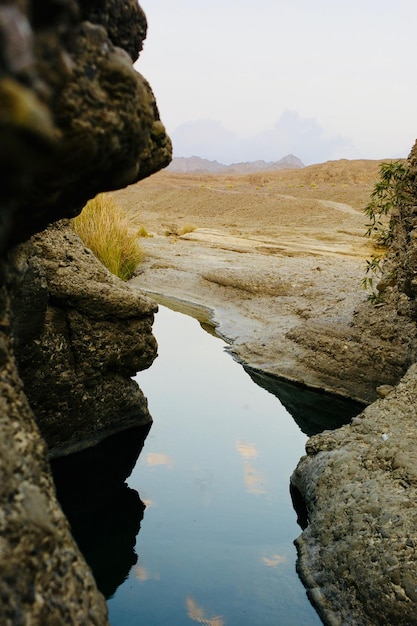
{"x": 356, "y": 487}
{"x": 80, "y": 334}
{"x": 75, "y": 116}
{"x": 381, "y": 342}
{"x": 75, "y": 119}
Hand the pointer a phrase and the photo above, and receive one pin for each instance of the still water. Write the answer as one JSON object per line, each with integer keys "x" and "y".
{"x": 215, "y": 545}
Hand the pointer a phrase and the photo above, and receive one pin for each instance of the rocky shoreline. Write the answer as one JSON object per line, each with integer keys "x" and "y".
{"x": 303, "y": 318}
{"x": 357, "y": 554}
{"x": 356, "y": 492}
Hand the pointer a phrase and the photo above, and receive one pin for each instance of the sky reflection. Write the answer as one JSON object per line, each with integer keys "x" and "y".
{"x": 198, "y": 614}
{"x": 221, "y": 535}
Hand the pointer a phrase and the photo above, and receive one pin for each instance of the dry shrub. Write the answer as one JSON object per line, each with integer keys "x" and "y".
{"x": 258, "y": 179}
{"x": 187, "y": 228}
{"x": 143, "y": 232}
{"x": 106, "y": 230}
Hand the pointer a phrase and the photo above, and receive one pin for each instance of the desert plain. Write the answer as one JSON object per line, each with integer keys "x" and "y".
{"x": 257, "y": 255}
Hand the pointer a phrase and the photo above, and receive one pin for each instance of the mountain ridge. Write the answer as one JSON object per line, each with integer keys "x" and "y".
{"x": 198, "y": 164}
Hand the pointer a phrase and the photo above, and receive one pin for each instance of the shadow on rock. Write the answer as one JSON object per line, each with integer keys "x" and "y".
{"x": 313, "y": 411}
{"x": 104, "y": 513}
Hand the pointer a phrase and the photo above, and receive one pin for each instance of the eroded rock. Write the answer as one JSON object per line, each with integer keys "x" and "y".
{"x": 75, "y": 116}
{"x": 380, "y": 343}
{"x": 358, "y": 484}
{"x": 44, "y": 579}
{"x": 357, "y": 555}
{"x": 75, "y": 119}
{"x": 82, "y": 335}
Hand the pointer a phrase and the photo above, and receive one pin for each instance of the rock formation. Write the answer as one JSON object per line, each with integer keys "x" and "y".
{"x": 381, "y": 341}
{"x": 80, "y": 334}
{"x": 357, "y": 555}
{"x": 75, "y": 119}
{"x": 356, "y": 487}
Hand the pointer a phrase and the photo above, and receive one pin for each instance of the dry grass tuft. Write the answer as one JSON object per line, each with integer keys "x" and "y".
{"x": 106, "y": 230}
{"x": 143, "y": 232}
{"x": 187, "y": 228}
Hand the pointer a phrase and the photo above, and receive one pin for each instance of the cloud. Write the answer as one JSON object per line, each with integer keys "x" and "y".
{"x": 292, "y": 134}
{"x": 208, "y": 139}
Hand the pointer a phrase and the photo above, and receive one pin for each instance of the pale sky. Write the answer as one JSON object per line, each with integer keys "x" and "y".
{"x": 239, "y": 80}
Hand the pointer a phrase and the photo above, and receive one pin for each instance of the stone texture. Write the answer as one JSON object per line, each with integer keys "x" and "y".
{"x": 380, "y": 342}
{"x": 375, "y": 349}
{"x": 75, "y": 119}
{"x": 82, "y": 334}
{"x": 43, "y": 579}
{"x": 357, "y": 555}
{"x": 356, "y": 489}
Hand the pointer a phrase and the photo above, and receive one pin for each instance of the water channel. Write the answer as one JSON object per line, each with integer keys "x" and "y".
{"x": 217, "y": 525}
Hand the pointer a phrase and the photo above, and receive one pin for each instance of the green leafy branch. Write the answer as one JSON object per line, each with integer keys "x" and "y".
{"x": 391, "y": 193}
{"x": 373, "y": 273}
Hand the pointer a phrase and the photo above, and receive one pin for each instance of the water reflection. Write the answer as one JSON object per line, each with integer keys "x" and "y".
{"x": 216, "y": 545}
{"x": 143, "y": 575}
{"x": 312, "y": 410}
{"x": 274, "y": 560}
{"x": 253, "y": 478}
{"x": 155, "y": 458}
{"x": 104, "y": 513}
{"x": 197, "y": 614}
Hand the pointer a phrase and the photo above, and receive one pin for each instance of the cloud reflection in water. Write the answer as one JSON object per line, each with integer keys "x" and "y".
{"x": 254, "y": 479}
{"x": 274, "y": 560}
{"x": 154, "y": 458}
{"x": 197, "y": 614}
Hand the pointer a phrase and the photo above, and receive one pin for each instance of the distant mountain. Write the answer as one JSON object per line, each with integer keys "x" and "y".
{"x": 197, "y": 164}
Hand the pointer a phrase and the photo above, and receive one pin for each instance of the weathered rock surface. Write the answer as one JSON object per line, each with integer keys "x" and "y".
{"x": 356, "y": 488}
{"x": 44, "y": 579}
{"x": 380, "y": 343}
{"x": 375, "y": 349}
{"x": 81, "y": 335}
{"x": 357, "y": 556}
{"x": 75, "y": 119}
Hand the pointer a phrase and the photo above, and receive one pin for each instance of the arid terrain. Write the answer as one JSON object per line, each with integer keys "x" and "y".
{"x": 259, "y": 254}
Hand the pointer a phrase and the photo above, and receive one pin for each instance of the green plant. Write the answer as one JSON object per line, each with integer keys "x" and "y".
{"x": 391, "y": 192}
{"x": 373, "y": 272}
{"x": 106, "y": 230}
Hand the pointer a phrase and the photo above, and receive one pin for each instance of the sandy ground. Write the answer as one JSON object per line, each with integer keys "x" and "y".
{"x": 259, "y": 261}
{"x": 274, "y": 265}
